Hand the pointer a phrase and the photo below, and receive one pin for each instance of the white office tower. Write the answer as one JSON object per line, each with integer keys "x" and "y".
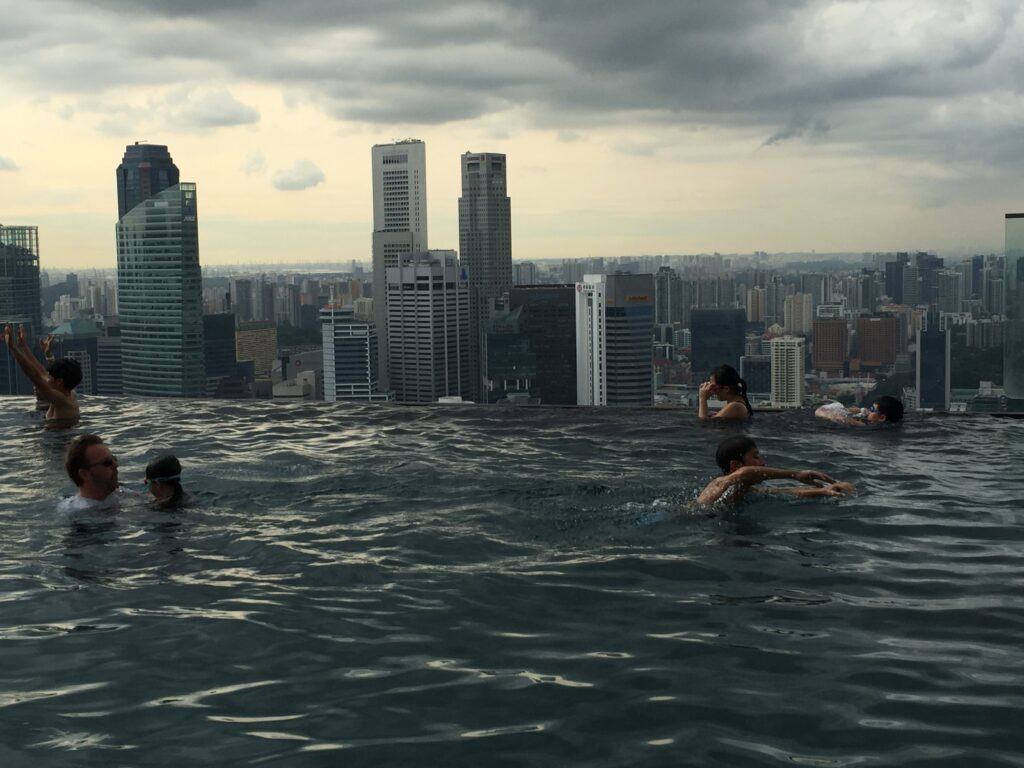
{"x": 350, "y": 356}
{"x": 787, "y": 371}
{"x": 428, "y": 319}
{"x": 614, "y": 328}
{"x": 399, "y": 222}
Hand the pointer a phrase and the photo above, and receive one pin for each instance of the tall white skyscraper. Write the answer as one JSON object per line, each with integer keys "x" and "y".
{"x": 614, "y": 330}
{"x": 787, "y": 371}
{"x": 485, "y": 246}
{"x": 428, "y": 318}
{"x": 350, "y": 356}
{"x": 399, "y": 223}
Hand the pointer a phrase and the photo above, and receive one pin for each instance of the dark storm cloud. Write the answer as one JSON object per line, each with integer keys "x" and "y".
{"x": 789, "y": 71}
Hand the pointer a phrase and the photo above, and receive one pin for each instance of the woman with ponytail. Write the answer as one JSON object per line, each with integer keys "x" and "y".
{"x": 725, "y": 384}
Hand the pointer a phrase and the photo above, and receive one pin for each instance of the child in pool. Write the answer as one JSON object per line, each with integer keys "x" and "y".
{"x": 886, "y": 409}
{"x": 742, "y": 467}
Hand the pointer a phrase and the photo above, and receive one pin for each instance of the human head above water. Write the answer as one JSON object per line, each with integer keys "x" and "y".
{"x": 163, "y": 475}
{"x": 727, "y": 377}
{"x": 66, "y": 371}
{"x": 77, "y": 461}
{"x": 890, "y": 407}
{"x": 736, "y": 449}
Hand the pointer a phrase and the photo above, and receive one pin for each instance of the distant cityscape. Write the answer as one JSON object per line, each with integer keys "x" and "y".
{"x": 420, "y": 324}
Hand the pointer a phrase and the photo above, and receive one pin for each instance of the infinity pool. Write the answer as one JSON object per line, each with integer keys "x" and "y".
{"x": 374, "y": 585}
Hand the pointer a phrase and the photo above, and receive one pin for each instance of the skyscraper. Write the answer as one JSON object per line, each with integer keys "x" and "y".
{"x": 399, "y": 223}
{"x": 19, "y": 297}
{"x": 350, "y": 356}
{"x": 1013, "y": 306}
{"x": 549, "y": 322}
{"x": 485, "y": 247}
{"x": 830, "y": 345}
{"x": 428, "y": 316}
{"x": 787, "y": 371}
{"x": 718, "y": 338}
{"x": 158, "y": 277}
{"x": 145, "y": 171}
{"x": 614, "y": 328}
{"x": 877, "y": 340}
{"x": 932, "y": 364}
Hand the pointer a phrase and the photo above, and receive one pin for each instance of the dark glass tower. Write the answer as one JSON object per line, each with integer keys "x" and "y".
{"x": 485, "y": 247}
{"x": 717, "y": 338}
{"x": 19, "y": 297}
{"x": 145, "y": 171}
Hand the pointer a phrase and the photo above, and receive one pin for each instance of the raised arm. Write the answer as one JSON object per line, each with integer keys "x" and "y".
{"x": 32, "y": 368}
{"x": 702, "y": 399}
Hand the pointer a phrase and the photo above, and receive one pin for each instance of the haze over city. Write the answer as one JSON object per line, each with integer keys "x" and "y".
{"x": 647, "y": 128}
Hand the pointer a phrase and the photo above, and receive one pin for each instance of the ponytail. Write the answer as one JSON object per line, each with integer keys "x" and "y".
{"x": 743, "y": 394}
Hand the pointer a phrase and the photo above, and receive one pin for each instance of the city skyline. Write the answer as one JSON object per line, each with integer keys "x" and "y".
{"x": 838, "y": 127}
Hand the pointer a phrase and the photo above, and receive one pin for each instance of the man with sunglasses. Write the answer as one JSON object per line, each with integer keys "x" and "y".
{"x": 93, "y": 468}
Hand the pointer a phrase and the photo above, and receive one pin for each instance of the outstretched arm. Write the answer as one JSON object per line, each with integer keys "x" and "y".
{"x": 744, "y": 477}
{"x": 834, "y": 489}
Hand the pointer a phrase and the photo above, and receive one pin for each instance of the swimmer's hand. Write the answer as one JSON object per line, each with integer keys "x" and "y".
{"x": 706, "y": 390}
{"x": 22, "y": 337}
{"x": 814, "y": 477}
{"x": 46, "y": 344}
{"x": 840, "y": 488}
{"x": 8, "y": 335}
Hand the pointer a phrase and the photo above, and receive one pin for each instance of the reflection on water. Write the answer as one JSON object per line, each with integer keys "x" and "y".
{"x": 467, "y": 586}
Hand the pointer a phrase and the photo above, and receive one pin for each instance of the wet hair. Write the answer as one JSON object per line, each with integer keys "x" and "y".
{"x": 74, "y": 457}
{"x": 733, "y": 449}
{"x": 727, "y": 376}
{"x": 167, "y": 466}
{"x": 67, "y": 370}
{"x": 890, "y": 407}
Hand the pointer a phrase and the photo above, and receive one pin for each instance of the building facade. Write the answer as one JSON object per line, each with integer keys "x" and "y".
{"x": 159, "y": 286}
{"x": 787, "y": 371}
{"x": 548, "y": 320}
{"x": 718, "y": 337}
{"x": 1013, "y": 307}
{"x": 399, "y": 174}
{"x": 20, "y": 298}
{"x": 485, "y": 248}
{"x": 351, "y": 356}
{"x": 830, "y": 345}
{"x": 428, "y": 316}
{"x": 933, "y": 347}
{"x": 614, "y": 331}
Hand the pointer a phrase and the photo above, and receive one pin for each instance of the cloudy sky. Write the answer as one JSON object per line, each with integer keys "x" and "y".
{"x": 678, "y": 126}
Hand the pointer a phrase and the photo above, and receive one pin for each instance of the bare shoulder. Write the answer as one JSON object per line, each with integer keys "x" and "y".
{"x": 732, "y": 411}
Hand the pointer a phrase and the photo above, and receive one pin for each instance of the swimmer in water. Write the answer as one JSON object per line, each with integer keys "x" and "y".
{"x": 93, "y": 469}
{"x": 725, "y": 384}
{"x": 743, "y": 467}
{"x": 163, "y": 476}
{"x": 54, "y": 385}
{"x": 885, "y": 410}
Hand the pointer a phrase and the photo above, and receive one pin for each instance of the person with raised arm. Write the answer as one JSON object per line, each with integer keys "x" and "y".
{"x": 725, "y": 384}
{"x": 54, "y": 385}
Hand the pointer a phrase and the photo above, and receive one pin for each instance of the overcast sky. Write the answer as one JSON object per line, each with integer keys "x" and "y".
{"x": 630, "y": 128}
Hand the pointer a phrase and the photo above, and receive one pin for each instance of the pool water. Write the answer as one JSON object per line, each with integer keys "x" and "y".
{"x": 469, "y": 586}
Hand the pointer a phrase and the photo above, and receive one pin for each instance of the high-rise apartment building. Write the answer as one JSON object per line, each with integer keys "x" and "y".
{"x": 351, "y": 354}
{"x": 20, "y": 293}
{"x": 668, "y": 297}
{"x": 798, "y": 313}
{"x": 787, "y": 371}
{"x": 485, "y": 247}
{"x": 1013, "y": 306}
{"x": 950, "y": 290}
{"x": 524, "y": 273}
{"x": 428, "y": 319}
{"x": 399, "y": 173}
{"x": 256, "y": 342}
{"x": 830, "y": 345}
{"x": 159, "y": 278}
{"x": 614, "y": 328}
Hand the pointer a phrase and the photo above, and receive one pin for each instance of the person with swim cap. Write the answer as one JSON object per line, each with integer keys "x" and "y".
{"x": 163, "y": 477}
{"x": 885, "y": 410}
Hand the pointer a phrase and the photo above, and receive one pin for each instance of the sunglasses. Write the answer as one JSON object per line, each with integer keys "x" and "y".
{"x": 111, "y": 462}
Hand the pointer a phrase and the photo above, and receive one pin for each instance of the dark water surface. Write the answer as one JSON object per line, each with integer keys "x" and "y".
{"x": 369, "y": 585}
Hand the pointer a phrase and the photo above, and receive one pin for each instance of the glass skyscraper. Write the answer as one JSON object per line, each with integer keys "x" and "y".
{"x": 19, "y": 297}
{"x": 159, "y": 282}
{"x": 1013, "y": 282}
{"x": 485, "y": 247}
{"x": 145, "y": 170}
